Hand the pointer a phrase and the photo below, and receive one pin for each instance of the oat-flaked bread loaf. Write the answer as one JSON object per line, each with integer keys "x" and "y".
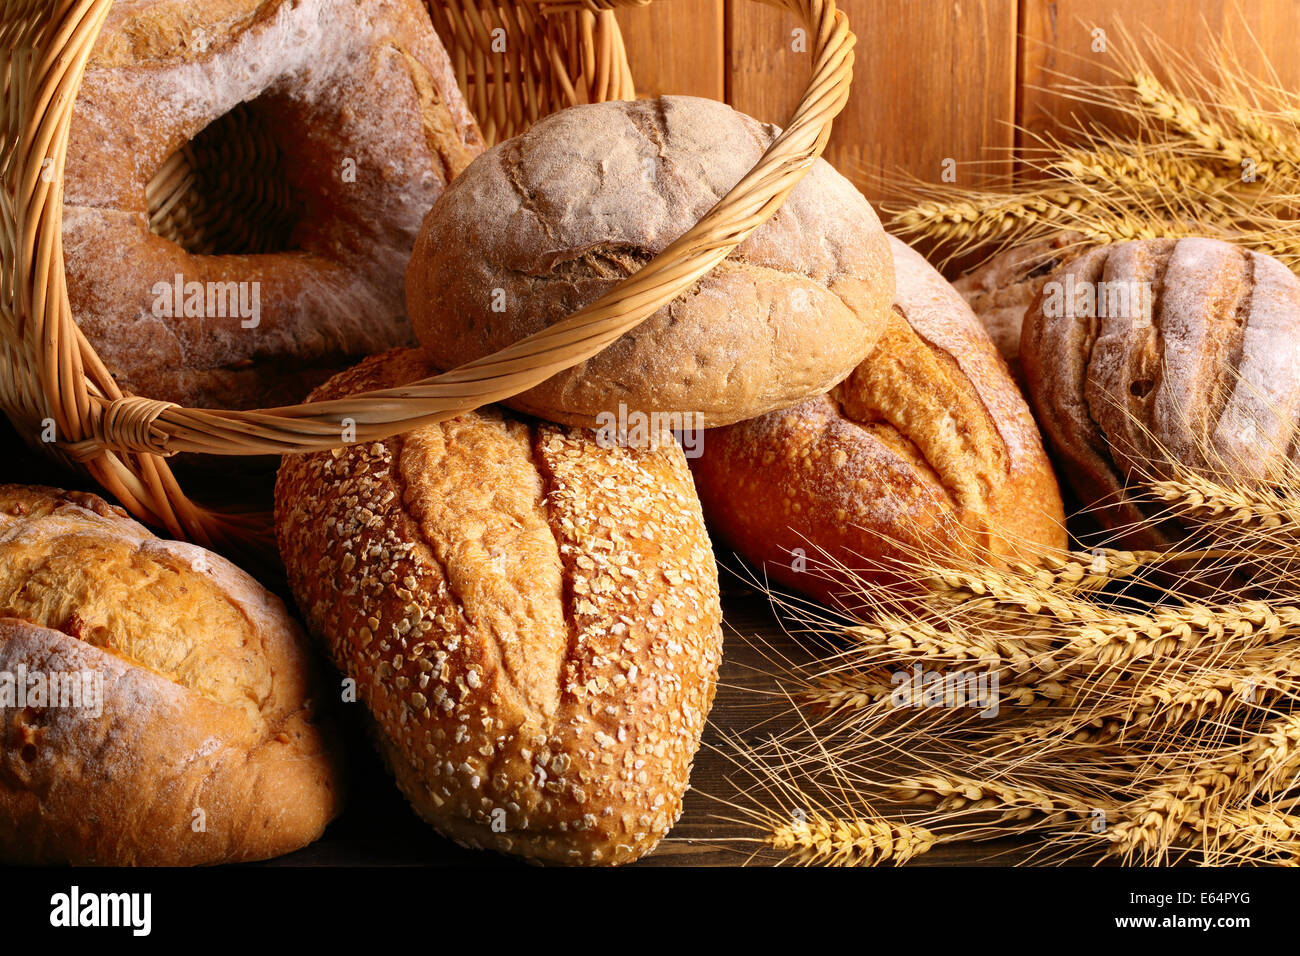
{"x": 531, "y": 618}
{"x": 358, "y": 100}
{"x": 547, "y": 222}
{"x": 1001, "y": 290}
{"x": 927, "y": 447}
{"x": 205, "y": 747}
{"x": 1207, "y": 375}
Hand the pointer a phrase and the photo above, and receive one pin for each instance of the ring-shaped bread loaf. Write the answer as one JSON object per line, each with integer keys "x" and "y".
{"x": 356, "y": 102}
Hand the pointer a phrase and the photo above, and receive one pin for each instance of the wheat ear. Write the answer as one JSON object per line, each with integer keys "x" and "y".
{"x": 952, "y": 793}
{"x": 1240, "y": 507}
{"x": 1146, "y": 171}
{"x": 1170, "y": 107}
{"x": 828, "y": 841}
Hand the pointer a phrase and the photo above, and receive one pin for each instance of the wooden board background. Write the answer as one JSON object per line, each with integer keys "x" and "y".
{"x": 936, "y": 79}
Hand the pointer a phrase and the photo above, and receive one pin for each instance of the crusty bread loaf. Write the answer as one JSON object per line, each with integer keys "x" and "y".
{"x": 531, "y": 618}
{"x": 1002, "y": 289}
{"x": 358, "y": 100}
{"x": 926, "y": 448}
{"x": 547, "y": 222}
{"x": 1205, "y": 374}
{"x": 204, "y": 746}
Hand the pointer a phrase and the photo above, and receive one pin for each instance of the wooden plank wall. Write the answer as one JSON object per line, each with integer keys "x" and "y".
{"x": 935, "y": 79}
{"x": 1057, "y": 37}
{"x": 917, "y": 66}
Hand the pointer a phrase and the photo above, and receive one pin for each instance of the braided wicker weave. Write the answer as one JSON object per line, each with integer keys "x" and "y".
{"x": 563, "y": 53}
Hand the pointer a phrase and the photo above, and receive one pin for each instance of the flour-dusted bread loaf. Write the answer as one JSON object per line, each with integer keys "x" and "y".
{"x": 318, "y": 133}
{"x": 1001, "y": 290}
{"x": 547, "y": 222}
{"x": 531, "y": 617}
{"x": 1145, "y": 354}
{"x": 926, "y": 449}
{"x": 183, "y": 729}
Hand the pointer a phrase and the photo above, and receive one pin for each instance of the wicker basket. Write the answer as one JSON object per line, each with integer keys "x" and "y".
{"x": 566, "y": 53}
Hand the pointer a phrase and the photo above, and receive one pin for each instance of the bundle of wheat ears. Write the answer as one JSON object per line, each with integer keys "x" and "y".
{"x": 1199, "y": 147}
{"x": 1101, "y": 705}
{"x": 1108, "y": 704}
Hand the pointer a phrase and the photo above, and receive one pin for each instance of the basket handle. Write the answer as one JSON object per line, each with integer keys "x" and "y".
{"x": 135, "y": 424}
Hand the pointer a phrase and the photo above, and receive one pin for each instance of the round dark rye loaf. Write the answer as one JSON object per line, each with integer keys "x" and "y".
{"x": 1208, "y": 377}
{"x": 531, "y": 618}
{"x": 926, "y": 448}
{"x": 203, "y": 746}
{"x": 545, "y": 223}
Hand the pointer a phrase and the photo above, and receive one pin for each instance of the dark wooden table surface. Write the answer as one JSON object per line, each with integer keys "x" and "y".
{"x": 379, "y": 828}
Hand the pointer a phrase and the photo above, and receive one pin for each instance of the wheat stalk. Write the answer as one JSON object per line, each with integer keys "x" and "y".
{"x": 847, "y": 691}
{"x": 1173, "y": 702}
{"x": 1126, "y": 638}
{"x": 950, "y": 793}
{"x": 971, "y": 219}
{"x": 996, "y": 589}
{"x": 1232, "y": 836}
{"x": 1240, "y": 507}
{"x": 904, "y": 640}
{"x": 1108, "y": 165}
{"x": 1170, "y": 107}
{"x": 1092, "y": 704}
{"x": 1244, "y": 834}
{"x": 1229, "y": 836}
{"x": 1256, "y": 141}
{"x": 985, "y": 216}
{"x": 828, "y": 841}
{"x": 1085, "y": 573}
{"x": 1272, "y": 759}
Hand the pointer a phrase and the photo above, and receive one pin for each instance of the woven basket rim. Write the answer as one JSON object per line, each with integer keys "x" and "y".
{"x": 123, "y": 439}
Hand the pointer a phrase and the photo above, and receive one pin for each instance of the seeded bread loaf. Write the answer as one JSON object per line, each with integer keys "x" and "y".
{"x": 1146, "y": 354}
{"x": 547, "y": 222}
{"x": 926, "y": 448}
{"x": 531, "y": 618}
{"x": 184, "y": 730}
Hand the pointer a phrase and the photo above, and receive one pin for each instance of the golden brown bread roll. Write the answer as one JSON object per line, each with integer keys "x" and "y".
{"x": 184, "y": 730}
{"x": 549, "y": 221}
{"x": 926, "y": 446}
{"x": 1147, "y": 353}
{"x": 319, "y": 133}
{"x": 531, "y": 618}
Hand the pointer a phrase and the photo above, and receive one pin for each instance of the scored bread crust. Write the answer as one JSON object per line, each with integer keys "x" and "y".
{"x": 926, "y": 448}
{"x": 364, "y": 82}
{"x": 1211, "y": 382}
{"x": 1001, "y": 290}
{"x": 207, "y": 747}
{"x": 531, "y": 618}
{"x": 545, "y": 223}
